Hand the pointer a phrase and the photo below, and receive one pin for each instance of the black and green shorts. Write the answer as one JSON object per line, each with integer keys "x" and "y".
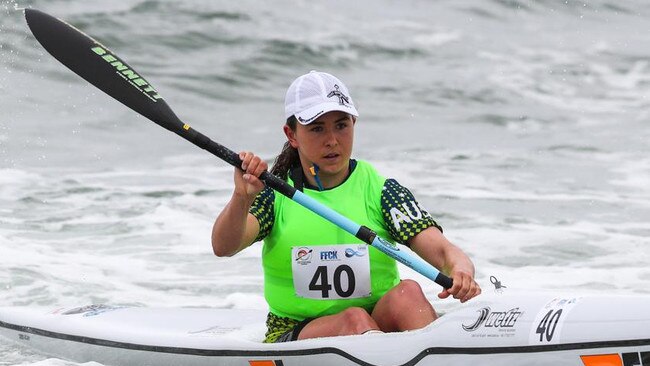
{"x": 281, "y": 329}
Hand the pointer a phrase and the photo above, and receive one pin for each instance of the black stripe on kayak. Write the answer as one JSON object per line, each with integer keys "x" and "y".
{"x": 327, "y": 350}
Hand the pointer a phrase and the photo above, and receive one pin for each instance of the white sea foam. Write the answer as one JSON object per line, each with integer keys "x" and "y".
{"x": 635, "y": 175}
{"x": 437, "y": 39}
{"x": 571, "y": 80}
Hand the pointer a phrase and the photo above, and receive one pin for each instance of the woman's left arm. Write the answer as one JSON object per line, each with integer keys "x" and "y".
{"x": 434, "y": 248}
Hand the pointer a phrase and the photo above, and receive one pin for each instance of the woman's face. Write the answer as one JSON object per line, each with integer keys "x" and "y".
{"x": 326, "y": 142}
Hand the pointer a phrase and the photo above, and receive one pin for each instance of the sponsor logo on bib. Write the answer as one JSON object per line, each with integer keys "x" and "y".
{"x": 303, "y": 256}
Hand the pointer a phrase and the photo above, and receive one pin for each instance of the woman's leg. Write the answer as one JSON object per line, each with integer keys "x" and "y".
{"x": 348, "y": 322}
{"x": 404, "y": 307}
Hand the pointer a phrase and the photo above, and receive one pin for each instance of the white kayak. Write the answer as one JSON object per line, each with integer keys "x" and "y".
{"x": 490, "y": 330}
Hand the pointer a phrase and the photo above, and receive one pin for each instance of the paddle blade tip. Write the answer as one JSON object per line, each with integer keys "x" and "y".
{"x": 30, "y": 14}
{"x": 35, "y": 17}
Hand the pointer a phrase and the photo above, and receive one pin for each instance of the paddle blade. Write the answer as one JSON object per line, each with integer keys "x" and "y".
{"x": 99, "y": 66}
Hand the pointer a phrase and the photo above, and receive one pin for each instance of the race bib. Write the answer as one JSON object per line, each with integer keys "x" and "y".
{"x": 331, "y": 272}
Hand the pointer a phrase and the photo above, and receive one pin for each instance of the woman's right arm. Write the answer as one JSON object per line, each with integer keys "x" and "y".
{"x": 235, "y": 228}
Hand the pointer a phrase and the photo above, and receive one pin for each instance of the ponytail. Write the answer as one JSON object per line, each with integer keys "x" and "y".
{"x": 288, "y": 157}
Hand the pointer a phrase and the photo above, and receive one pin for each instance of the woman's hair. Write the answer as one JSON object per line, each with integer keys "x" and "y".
{"x": 288, "y": 157}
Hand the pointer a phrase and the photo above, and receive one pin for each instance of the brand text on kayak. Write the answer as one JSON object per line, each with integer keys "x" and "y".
{"x": 494, "y": 319}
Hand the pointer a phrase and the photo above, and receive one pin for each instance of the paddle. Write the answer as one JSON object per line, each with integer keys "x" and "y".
{"x": 99, "y": 66}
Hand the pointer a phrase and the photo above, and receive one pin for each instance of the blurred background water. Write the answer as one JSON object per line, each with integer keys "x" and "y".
{"x": 521, "y": 125}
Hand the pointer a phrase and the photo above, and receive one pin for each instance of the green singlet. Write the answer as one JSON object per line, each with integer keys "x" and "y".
{"x": 313, "y": 268}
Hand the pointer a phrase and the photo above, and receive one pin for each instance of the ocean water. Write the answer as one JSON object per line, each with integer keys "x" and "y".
{"x": 522, "y": 126}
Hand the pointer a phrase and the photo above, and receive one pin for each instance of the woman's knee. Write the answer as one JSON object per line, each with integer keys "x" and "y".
{"x": 358, "y": 320}
{"x": 405, "y": 307}
{"x": 407, "y": 292}
{"x": 410, "y": 287}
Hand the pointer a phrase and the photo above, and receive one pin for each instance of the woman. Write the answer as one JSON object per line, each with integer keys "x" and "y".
{"x": 319, "y": 280}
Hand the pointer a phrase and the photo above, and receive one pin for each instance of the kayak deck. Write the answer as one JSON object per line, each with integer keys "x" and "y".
{"x": 496, "y": 330}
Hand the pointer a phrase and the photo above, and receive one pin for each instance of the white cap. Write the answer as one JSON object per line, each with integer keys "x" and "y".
{"x": 314, "y": 94}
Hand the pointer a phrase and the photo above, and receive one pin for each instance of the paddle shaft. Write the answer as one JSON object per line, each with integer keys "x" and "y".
{"x": 102, "y": 68}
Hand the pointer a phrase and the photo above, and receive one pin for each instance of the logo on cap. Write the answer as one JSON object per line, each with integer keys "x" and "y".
{"x": 310, "y": 119}
{"x": 343, "y": 99}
